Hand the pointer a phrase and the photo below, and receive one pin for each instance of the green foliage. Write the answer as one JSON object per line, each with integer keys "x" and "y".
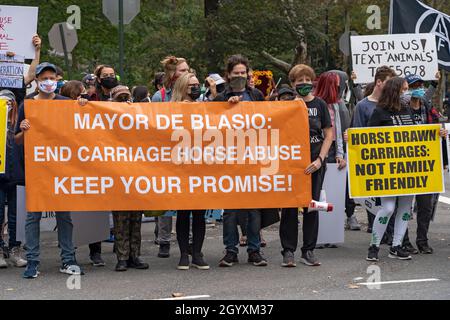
{"x": 179, "y": 27}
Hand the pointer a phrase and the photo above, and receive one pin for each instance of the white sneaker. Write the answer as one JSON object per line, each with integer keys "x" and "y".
{"x": 3, "y": 263}
{"x": 16, "y": 259}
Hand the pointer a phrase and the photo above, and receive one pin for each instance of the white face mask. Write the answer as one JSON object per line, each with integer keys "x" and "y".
{"x": 47, "y": 86}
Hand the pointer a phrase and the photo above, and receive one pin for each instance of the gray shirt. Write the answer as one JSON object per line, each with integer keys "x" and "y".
{"x": 363, "y": 112}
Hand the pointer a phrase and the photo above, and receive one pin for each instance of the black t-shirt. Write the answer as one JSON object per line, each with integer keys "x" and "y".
{"x": 384, "y": 118}
{"x": 319, "y": 119}
{"x": 417, "y": 116}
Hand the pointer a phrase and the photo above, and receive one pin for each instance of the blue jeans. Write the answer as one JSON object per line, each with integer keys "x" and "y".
{"x": 32, "y": 236}
{"x": 9, "y": 191}
{"x": 231, "y": 234}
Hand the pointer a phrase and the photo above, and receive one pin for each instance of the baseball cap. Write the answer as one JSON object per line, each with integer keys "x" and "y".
{"x": 117, "y": 91}
{"x": 45, "y": 66}
{"x": 88, "y": 80}
{"x": 412, "y": 78}
{"x": 7, "y": 95}
{"x": 286, "y": 91}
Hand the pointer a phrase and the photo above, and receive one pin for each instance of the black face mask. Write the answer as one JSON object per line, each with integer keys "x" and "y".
{"x": 109, "y": 82}
{"x": 195, "y": 93}
{"x": 85, "y": 96}
{"x": 220, "y": 88}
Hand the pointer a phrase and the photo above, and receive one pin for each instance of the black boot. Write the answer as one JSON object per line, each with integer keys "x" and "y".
{"x": 121, "y": 265}
{"x": 137, "y": 263}
{"x": 164, "y": 250}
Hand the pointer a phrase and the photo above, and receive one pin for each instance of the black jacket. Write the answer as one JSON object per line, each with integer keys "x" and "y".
{"x": 254, "y": 94}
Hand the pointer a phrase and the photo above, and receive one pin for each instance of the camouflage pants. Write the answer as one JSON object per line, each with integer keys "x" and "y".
{"x": 127, "y": 233}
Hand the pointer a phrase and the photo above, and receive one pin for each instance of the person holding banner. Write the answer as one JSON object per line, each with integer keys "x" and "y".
{"x": 187, "y": 89}
{"x": 173, "y": 68}
{"x": 127, "y": 224}
{"x": 46, "y": 83}
{"x": 321, "y": 137}
{"x": 392, "y": 111}
{"x": 8, "y": 185}
{"x": 237, "y": 90}
{"x": 364, "y": 109}
{"x": 105, "y": 81}
{"x": 424, "y": 114}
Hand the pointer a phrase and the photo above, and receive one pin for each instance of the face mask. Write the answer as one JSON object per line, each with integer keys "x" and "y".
{"x": 238, "y": 83}
{"x": 85, "y": 96}
{"x": 109, "y": 83}
{"x": 304, "y": 89}
{"x": 417, "y": 93}
{"x": 47, "y": 86}
{"x": 195, "y": 93}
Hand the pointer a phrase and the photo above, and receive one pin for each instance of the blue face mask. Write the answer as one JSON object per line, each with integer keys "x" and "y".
{"x": 417, "y": 93}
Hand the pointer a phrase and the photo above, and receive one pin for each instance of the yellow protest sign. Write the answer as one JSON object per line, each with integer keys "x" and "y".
{"x": 3, "y": 130}
{"x": 395, "y": 161}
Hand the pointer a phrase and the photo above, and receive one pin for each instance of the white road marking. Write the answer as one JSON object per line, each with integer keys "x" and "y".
{"x": 444, "y": 199}
{"x": 187, "y": 298}
{"x": 397, "y": 282}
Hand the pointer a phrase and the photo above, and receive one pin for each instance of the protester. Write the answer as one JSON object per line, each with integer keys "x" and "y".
{"x": 364, "y": 109}
{"x": 74, "y": 90}
{"x": 106, "y": 80}
{"x": 46, "y": 81}
{"x": 140, "y": 94}
{"x": 187, "y": 89}
{"x": 59, "y": 79}
{"x": 321, "y": 138}
{"x": 237, "y": 90}
{"x": 173, "y": 68}
{"x": 8, "y": 187}
{"x": 89, "y": 83}
{"x": 158, "y": 81}
{"x": 331, "y": 88}
{"x": 127, "y": 224}
{"x": 392, "y": 111}
{"x": 215, "y": 85}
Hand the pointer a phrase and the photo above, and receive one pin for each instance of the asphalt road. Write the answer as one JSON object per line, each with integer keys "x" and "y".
{"x": 338, "y": 277}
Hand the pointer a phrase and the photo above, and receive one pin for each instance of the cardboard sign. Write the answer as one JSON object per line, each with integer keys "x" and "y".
{"x": 88, "y": 227}
{"x": 407, "y": 54}
{"x": 116, "y": 156}
{"x": 332, "y": 224}
{"x": 12, "y": 70}
{"x": 264, "y": 81}
{"x": 395, "y": 161}
{"x": 18, "y": 25}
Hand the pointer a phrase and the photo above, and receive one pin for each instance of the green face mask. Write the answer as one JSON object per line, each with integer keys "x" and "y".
{"x": 238, "y": 83}
{"x": 304, "y": 89}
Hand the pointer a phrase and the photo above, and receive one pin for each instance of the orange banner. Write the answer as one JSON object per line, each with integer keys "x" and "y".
{"x": 161, "y": 156}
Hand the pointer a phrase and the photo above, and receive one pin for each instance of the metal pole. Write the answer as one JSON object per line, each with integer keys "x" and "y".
{"x": 66, "y": 54}
{"x": 121, "y": 40}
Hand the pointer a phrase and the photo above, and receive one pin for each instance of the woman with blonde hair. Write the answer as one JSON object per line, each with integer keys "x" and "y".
{"x": 187, "y": 89}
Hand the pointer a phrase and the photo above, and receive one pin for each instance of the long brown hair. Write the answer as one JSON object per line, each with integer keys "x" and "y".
{"x": 72, "y": 89}
{"x": 391, "y": 95}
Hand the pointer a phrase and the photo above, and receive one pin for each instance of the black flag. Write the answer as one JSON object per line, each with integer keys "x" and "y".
{"x": 412, "y": 16}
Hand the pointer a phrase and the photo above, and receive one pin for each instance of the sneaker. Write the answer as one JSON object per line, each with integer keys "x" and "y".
{"x": 425, "y": 249}
{"x": 309, "y": 259}
{"x": 199, "y": 263}
{"x": 137, "y": 263}
{"x": 229, "y": 259}
{"x": 256, "y": 259}
{"x": 408, "y": 247}
{"x": 71, "y": 268}
{"x": 3, "y": 263}
{"x": 164, "y": 250}
{"x": 288, "y": 259}
{"x": 97, "y": 260}
{"x": 373, "y": 253}
{"x": 121, "y": 266}
{"x": 353, "y": 224}
{"x": 184, "y": 262}
{"x": 16, "y": 258}
{"x": 398, "y": 253}
{"x": 32, "y": 270}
